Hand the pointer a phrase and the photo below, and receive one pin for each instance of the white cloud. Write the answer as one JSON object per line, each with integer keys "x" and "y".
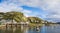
{"x": 53, "y": 16}
{"x": 4, "y": 7}
{"x": 29, "y": 13}
{"x": 50, "y": 6}
{"x": 26, "y": 12}
{"x": 10, "y": 5}
{"x": 30, "y": 3}
{"x": 44, "y": 4}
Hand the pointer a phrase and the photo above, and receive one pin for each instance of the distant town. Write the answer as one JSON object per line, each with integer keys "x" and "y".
{"x": 18, "y": 18}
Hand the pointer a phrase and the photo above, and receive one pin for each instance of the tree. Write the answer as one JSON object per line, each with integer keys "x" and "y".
{"x": 1, "y": 15}
{"x": 17, "y": 16}
{"x": 35, "y": 19}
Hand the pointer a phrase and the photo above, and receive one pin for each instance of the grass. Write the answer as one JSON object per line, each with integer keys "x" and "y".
{"x": 34, "y": 24}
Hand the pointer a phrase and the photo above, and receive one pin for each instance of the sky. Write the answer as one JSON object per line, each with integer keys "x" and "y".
{"x": 45, "y": 9}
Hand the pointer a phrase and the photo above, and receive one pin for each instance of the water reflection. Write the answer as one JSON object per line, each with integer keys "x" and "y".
{"x": 53, "y": 28}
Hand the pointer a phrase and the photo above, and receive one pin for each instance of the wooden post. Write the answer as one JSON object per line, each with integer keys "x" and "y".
{"x": 6, "y": 26}
{"x": 16, "y": 25}
{"x": 11, "y": 25}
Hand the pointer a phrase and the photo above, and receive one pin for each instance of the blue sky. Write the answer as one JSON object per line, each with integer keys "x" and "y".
{"x": 45, "y": 9}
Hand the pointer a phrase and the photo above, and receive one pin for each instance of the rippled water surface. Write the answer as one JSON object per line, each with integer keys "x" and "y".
{"x": 53, "y": 28}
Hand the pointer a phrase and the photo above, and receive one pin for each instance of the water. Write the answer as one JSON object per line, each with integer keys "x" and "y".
{"x": 54, "y": 28}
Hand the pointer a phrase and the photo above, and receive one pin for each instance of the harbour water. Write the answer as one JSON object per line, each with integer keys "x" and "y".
{"x": 54, "y": 28}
